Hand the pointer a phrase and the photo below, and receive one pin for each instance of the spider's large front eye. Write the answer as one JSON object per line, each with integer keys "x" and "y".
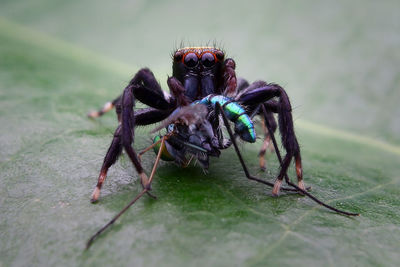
{"x": 208, "y": 60}
{"x": 191, "y": 60}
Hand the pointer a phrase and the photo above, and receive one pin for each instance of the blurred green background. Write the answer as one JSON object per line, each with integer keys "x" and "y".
{"x": 339, "y": 63}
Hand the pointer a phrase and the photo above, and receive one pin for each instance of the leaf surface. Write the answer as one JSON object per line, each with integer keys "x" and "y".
{"x": 51, "y": 154}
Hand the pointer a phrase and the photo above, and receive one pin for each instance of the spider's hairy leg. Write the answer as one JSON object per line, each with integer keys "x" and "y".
{"x": 262, "y": 94}
{"x": 241, "y": 84}
{"x": 229, "y": 77}
{"x": 295, "y": 188}
{"x": 106, "y": 108}
{"x": 267, "y": 108}
{"x": 243, "y": 88}
{"x": 144, "y": 87}
{"x": 111, "y": 157}
{"x": 178, "y": 91}
{"x": 144, "y": 116}
{"x": 145, "y": 81}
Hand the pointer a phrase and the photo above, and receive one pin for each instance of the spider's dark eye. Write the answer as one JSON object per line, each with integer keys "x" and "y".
{"x": 178, "y": 56}
{"x": 220, "y": 55}
{"x": 207, "y": 60}
{"x": 191, "y": 60}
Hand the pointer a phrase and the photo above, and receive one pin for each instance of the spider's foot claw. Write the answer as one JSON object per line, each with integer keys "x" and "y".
{"x": 277, "y": 188}
{"x": 301, "y": 185}
{"x": 93, "y": 114}
{"x": 95, "y": 195}
{"x": 262, "y": 164}
{"x": 144, "y": 180}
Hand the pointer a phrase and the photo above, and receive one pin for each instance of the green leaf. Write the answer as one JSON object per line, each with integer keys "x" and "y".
{"x": 51, "y": 154}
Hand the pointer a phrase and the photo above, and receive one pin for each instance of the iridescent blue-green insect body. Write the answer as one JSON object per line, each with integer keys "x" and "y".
{"x": 205, "y": 97}
{"x": 234, "y": 112}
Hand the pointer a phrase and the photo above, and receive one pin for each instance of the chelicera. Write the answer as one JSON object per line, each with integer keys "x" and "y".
{"x": 204, "y": 96}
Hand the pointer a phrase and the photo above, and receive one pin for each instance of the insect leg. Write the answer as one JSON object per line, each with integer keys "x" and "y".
{"x": 90, "y": 241}
{"x": 146, "y": 188}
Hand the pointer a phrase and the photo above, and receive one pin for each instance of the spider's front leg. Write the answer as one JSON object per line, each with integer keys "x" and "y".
{"x": 264, "y": 94}
{"x": 244, "y": 86}
{"x": 145, "y": 88}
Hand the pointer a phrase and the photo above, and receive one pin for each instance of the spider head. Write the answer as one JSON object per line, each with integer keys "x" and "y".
{"x": 199, "y": 69}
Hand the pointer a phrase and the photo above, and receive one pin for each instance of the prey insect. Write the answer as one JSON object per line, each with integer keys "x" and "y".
{"x": 205, "y": 96}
